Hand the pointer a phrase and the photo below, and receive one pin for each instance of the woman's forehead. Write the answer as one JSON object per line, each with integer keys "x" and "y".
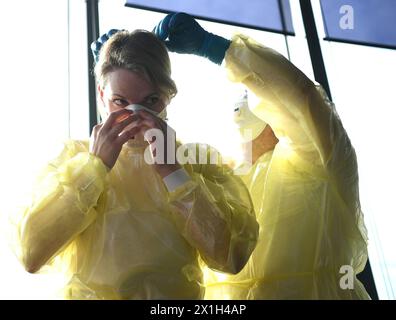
{"x": 128, "y": 84}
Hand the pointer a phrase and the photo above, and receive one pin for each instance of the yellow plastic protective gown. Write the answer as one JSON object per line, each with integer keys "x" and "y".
{"x": 120, "y": 234}
{"x": 305, "y": 191}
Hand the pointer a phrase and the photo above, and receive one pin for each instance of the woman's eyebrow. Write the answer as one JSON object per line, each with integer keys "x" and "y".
{"x": 118, "y": 95}
{"x": 147, "y": 96}
{"x": 151, "y": 94}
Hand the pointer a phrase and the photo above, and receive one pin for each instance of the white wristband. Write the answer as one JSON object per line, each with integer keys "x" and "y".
{"x": 176, "y": 179}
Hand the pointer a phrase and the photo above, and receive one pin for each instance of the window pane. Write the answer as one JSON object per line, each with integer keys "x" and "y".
{"x": 369, "y": 21}
{"x": 34, "y": 82}
{"x": 362, "y": 85}
{"x": 258, "y": 14}
{"x": 78, "y": 70}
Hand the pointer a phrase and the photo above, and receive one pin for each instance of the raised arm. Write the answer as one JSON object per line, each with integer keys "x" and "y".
{"x": 295, "y": 108}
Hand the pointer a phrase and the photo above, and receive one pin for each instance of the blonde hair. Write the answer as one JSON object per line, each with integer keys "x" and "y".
{"x": 138, "y": 51}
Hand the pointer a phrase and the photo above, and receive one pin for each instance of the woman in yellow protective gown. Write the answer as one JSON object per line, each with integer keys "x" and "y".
{"x": 119, "y": 226}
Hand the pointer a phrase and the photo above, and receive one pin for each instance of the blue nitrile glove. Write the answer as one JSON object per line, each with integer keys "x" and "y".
{"x": 182, "y": 34}
{"x": 97, "y": 45}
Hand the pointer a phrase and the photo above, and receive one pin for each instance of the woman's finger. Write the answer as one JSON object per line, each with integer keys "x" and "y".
{"x": 96, "y": 129}
{"x": 117, "y": 128}
{"x": 147, "y": 115}
{"x": 149, "y": 124}
{"x": 154, "y": 122}
{"x": 125, "y": 136}
{"x": 115, "y": 117}
{"x": 161, "y": 124}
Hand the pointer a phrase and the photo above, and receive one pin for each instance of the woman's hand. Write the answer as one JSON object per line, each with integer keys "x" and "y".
{"x": 159, "y": 149}
{"x": 106, "y": 140}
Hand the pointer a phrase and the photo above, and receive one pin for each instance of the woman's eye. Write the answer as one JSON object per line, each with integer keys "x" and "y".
{"x": 119, "y": 102}
{"x": 152, "y": 100}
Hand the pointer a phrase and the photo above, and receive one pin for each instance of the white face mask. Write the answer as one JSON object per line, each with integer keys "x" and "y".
{"x": 136, "y": 107}
{"x": 138, "y": 140}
